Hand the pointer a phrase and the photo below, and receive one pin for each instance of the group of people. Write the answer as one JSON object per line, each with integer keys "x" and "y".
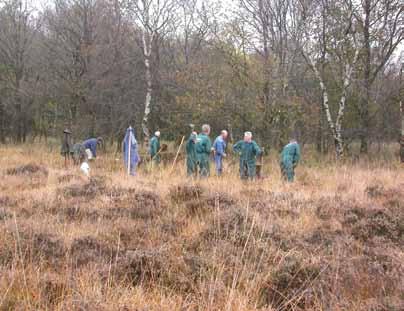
{"x": 80, "y": 152}
{"x": 198, "y": 148}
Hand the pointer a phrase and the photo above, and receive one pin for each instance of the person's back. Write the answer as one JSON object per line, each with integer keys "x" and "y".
{"x": 203, "y": 148}
{"x": 290, "y": 157}
{"x": 153, "y": 146}
{"x": 190, "y": 146}
{"x": 91, "y": 145}
{"x": 291, "y": 152}
{"x": 219, "y": 147}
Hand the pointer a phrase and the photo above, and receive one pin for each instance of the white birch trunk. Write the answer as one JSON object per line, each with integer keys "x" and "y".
{"x": 400, "y": 96}
{"x": 402, "y": 118}
{"x": 336, "y": 127}
{"x": 147, "y": 47}
{"x": 402, "y": 131}
{"x": 339, "y": 145}
{"x": 342, "y": 102}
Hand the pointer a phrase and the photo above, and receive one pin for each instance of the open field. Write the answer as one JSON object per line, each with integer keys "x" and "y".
{"x": 334, "y": 240}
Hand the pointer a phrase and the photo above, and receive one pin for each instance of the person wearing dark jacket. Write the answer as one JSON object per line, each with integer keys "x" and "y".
{"x": 290, "y": 157}
{"x": 90, "y": 145}
{"x": 203, "y": 149}
{"x": 248, "y": 150}
{"x": 154, "y": 150}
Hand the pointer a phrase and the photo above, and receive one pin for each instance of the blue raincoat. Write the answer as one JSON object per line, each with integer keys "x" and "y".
{"x": 92, "y": 145}
{"x": 134, "y": 159}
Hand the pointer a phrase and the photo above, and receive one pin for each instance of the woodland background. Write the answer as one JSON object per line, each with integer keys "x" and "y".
{"x": 326, "y": 71}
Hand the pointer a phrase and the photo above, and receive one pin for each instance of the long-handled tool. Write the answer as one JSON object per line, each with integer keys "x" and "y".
{"x": 178, "y": 152}
{"x": 153, "y": 157}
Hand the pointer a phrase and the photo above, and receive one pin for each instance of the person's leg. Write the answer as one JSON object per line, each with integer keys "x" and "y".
{"x": 287, "y": 171}
{"x": 251, "y": 171}
{"x": 219, "y": 165}
{"x": 204, "y": 168}
{"x": 243, "y": 170}
{"x": 283, "y": 171}
{"x": 290, "y": 173}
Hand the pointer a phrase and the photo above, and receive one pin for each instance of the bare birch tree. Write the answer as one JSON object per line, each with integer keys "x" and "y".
{"x": 339, "y": 48}
{"x": 154, "y": 19}
{"x": 401, "y": 103}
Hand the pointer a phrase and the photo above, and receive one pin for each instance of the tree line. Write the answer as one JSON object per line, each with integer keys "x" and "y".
{"x": 326, "y": 71}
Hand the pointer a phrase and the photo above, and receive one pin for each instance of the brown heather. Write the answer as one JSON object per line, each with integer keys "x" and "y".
{"x": 334, "y": 240}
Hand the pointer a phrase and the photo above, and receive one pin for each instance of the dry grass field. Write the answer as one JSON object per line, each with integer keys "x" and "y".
{"x": 334, "y": 240}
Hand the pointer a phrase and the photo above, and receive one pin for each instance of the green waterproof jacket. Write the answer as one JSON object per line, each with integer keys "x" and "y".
{"x": 203, "y": 148}
{"x": 248, "y": 152}
{"x": 190, "y": 148}
{"x": 290, "y": 155}
{"x": 154, "y": 146}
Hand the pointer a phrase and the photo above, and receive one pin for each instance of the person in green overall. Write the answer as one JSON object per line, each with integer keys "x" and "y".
{"x": 290, "y": 157}
{"x": 155, "y": 148}
{"x": 248, "y": 150}
{"x": 203, "y": 149}
{"x": 191, "y": 154}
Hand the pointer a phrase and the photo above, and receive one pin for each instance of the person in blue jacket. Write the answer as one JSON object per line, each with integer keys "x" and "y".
{"x": 130, "y": 152}
{"x": 219, "y": 148}
{"x": 90, "y": 145}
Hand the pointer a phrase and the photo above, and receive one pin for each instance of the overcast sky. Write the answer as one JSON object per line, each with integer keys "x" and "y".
{"x": 228, "y": 5}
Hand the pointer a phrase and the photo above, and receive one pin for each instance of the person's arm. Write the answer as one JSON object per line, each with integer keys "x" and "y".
{"x": 237, "y": 147}
{"x": 257, "y": 149}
